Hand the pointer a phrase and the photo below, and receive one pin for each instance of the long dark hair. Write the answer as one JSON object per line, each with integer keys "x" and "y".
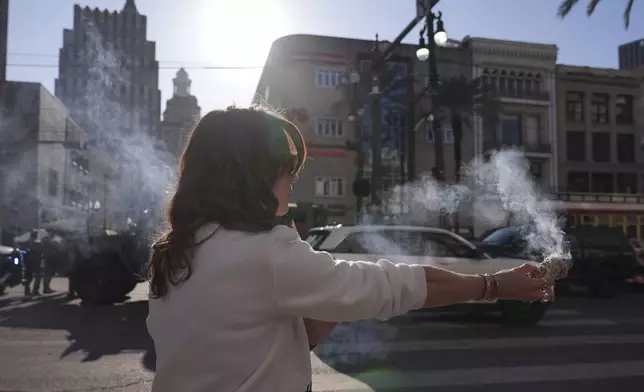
{"x": 227, "y": 172}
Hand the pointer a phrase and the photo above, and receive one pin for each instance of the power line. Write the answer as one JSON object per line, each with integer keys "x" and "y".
{"x": 46, "y": 55}
{"x": 193, "y": 67}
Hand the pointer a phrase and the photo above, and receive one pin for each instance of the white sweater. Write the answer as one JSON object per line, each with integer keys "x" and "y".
{"x": 236, "y": 324}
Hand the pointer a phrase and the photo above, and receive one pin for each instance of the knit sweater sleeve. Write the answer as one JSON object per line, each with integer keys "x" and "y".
{"x": 312, "y": 284}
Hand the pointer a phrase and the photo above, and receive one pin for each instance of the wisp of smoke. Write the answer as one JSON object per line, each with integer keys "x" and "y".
{"x": 491, "y": 189}
{"x": 146, "y": 171}
{"x": 506, "y": 177}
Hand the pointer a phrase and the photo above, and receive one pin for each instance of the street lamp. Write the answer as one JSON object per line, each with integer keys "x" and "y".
{"x": 422, "y": 54}
{"x": 440, "y": 36}
{"x": 435, "y": 38}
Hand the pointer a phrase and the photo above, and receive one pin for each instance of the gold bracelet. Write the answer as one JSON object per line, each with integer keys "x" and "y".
{"x": 493, "y": 293}
{"x": 486, "y": 288}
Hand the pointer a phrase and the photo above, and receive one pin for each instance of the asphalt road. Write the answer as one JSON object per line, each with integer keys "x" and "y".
{"x": 49, "y": 344}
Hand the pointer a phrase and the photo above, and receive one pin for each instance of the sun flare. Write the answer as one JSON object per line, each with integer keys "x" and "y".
{"x": 239, "y": 33}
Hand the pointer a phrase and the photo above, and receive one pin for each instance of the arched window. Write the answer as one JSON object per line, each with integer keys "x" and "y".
{"x": 494, "y": 80}
{"x": 512, "y": 83}
{"x": 528, "y": 83}
{"x": 520, "y": 82}
{"x": 503, "y": 81}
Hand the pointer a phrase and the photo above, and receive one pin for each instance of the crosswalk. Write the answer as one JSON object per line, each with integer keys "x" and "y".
{"x": 445, "y": 350}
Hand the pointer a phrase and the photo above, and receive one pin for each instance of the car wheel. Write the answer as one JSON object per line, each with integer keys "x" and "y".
{"x": 519, "y": 314}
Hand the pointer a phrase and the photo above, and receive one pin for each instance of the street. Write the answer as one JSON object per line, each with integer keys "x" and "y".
{"x": 49, "y": 344}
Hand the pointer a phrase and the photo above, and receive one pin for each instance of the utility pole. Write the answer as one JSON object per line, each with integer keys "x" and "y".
{"x": 433, "y": 83}
{"x": 377, "y": 65}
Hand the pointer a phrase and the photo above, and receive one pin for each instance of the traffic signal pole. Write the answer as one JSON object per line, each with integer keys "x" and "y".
{"x": 378, "y": 67}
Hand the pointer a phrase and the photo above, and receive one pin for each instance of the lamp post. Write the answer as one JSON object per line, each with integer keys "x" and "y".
{"x": 355, "y": 117}
{"x": 435, "y": 37}
{"x": 377, "y": 69}
{"x": 379, "y": 59}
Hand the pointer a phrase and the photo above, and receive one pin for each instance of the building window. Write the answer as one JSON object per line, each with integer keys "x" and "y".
{"x": 626, "y": 148}
{"x": 536, "y": 170}
{"x": 53, "y": 182}
{"x": 578, "y": 182}
{"x": 330, "y": 186}
{"x": 576, "y": 146}
{"x": 328, "y": 78}
{"x": 601, "y": 146}
{"x": 532, "y": 130}
{"x": 575, "y": 106}
{"x": 624, "y": 110}
{"x": 511, "y": 130}
{"x": 627, "y": 183}
{"x": 599, "y": 108}
{"x": 329, "y": 127}
{"x": 602, "y": 182}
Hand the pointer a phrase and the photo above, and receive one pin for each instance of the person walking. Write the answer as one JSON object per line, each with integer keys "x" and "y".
{"x": 33, "y": 268}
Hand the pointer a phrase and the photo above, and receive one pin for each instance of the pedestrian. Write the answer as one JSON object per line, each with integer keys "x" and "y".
{"x": 33, "y": 266}
{"x": 236, "y": 300}
{"x": 50, "y": 263}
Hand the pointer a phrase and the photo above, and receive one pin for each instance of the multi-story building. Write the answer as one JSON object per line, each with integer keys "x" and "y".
{"x": 181, "y": 113}
{"x": 108, "y": 78}
{"x": 4, "y": 30}
{"x": 631, "y": 55}
{"x": 601, "y": 156}
{"x": 599, "y": 135}
{"x": 310, "y": 77}
{"x": 108, "y": 72}
{"x": 522, "y": 77}
{"x": 48, "y": 178}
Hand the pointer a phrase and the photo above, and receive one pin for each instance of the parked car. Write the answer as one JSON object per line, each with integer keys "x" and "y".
{"x": 11, "y": 266}
{"x": 603, "y": 257}
{"x": 425, "y": 246}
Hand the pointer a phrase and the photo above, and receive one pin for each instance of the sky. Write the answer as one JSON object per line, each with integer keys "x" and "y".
{"x": 201, "y": 33}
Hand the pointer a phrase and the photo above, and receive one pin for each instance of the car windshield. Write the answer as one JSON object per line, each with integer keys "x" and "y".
{"x": 501, "y": 236}
{"x": 316, "y": 237}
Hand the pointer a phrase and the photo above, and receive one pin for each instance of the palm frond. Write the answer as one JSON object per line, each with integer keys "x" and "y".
{"x": 565, "y": 7}
{"x": 592, "y": 4}
{"x": 627, "y": 13}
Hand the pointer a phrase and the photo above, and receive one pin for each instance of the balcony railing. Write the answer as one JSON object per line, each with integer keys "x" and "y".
{"x": 588, "y": 197}
{"x": 534, "y": 148}
{"x": 528, "y": 95}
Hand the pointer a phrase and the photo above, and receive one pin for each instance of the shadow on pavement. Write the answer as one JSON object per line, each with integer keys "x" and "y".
{"x": 94, "y": 330}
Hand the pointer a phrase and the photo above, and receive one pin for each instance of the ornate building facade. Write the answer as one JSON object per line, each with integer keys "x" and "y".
{"x": 181, "y": 113}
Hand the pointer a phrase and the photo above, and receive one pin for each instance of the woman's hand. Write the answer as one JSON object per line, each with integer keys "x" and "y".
{"x": 517, "y": 284}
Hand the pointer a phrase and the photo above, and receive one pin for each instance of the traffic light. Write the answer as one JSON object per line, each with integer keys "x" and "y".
{"x": 361, "y": 188}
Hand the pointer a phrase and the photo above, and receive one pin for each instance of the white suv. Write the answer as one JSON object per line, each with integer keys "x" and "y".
{"x": 425, "y": 246}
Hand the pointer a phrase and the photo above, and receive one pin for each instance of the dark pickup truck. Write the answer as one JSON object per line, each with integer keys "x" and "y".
{"x": 603, "y": 257}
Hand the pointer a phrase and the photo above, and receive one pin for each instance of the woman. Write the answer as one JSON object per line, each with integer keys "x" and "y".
{"x": 237, "y": 300}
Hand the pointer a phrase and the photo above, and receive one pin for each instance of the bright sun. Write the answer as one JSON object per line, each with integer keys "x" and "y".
{"x": 239, "y": 33}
